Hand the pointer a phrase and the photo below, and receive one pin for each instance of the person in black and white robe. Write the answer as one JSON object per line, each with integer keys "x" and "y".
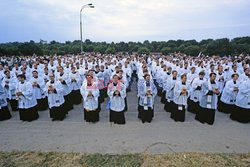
{"x": 4, "y": 111}
{"x": 63, "y": 77}
{"x": 208, "y": 100}
{"x": 117, "y": 94}
{"x": 122, "y": 78}
{"x": 146, "y": 92}
{"x": 9, "y": 84}
{"x": 38, "y": 85}
{"x": 100, "y": 85}
{"x": 76, "y": 85}
{"x": 54, "y": 91}
{"x": 221, "y": 78}
{"x": 90, "y": 94}
{"x": 27, "y": 104}
{"x": 193, "y": 101}
{"x": 242, "y": 111}
{"x": 165, "y": 78}
{"x": 127, "y": 70}
{"x": 169, "y": 89}
{"x": 181, "y": 93}
{"x": 229, "y": 94}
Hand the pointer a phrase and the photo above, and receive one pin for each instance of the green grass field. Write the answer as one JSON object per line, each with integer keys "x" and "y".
{"x": 54, "y": 159}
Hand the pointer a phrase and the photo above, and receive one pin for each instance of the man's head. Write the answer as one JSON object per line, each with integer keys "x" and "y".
{"x": 21, "y": 78}
{"x": 201, "y": 74}
{"x": 212, "y": 76}
{"x": 147, "y": 77}
{"x": 193, "y": 70}
{"x": 35, "y": 74}
{"x": 61, "y": 70}
{"x": 174, "y": 73}
{"x": 184, "y": 77}
{"x": 52, "y": 77}
{"x": 115, "y": 78}
{"x": 7, "y": 73}
{"x": 235, "y": 77}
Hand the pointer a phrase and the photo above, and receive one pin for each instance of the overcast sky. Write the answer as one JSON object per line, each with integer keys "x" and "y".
{"x": 123, "y": 20}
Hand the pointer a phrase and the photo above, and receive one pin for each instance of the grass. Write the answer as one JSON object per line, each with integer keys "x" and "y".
{"x": 55, "y": 159}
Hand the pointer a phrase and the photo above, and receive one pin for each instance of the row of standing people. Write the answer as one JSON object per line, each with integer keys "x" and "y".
{"x": 178, "y": 92}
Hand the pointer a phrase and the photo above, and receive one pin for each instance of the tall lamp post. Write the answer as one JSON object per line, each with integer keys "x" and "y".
{"x": 90, "y": 5}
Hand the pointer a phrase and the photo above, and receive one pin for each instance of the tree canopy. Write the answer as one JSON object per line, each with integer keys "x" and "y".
{"x": 220, "y": 47}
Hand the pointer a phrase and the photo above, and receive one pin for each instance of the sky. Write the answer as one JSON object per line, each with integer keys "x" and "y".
{"x": 123, "y": 20}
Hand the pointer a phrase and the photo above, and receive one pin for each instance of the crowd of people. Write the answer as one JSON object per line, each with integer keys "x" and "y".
{"x": 202, "y": 85}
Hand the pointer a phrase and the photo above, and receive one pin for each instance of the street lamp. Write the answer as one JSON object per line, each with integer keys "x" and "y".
{"x": 90, "y": 5}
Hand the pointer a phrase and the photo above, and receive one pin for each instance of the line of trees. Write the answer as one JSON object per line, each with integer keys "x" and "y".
{"x": 220, "y": 47}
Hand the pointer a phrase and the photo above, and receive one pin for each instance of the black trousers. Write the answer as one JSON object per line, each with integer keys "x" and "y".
{"x": 147, "y": 115}
{"x": 117, "y": 117}
{"x": 193, "y": 106}
{"x": 91, "y": 116}
{"x": 68, "y": 105}
{"x": 42, "y": 104}
{"x": 206, "y": 115}
{"x": 241, "y": 115}
{"x": 177, "y": 114}
{"x": 4, "y": 113}
{"x": 13, "y": 104}
{"x": 225, "y": 108}
{"x": 29, "y": 114}
{"x": 76, "y": 97}
{"x": 57, "y": 113}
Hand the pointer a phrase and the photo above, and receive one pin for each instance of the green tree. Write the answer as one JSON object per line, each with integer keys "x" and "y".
{"x": 143, "y": 50}
{"x": 192, "y": 50}
{"x": 166, "y": 50}
{"x": 191, "y": 47}
{"x": 110, "y": 50}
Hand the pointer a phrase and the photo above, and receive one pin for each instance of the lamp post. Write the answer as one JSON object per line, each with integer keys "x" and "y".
{"x": 84, "y": 6}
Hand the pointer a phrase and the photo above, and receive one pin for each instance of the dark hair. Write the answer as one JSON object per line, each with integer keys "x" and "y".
{"x": 145, "y": 76}
{"x": 173, "y": 71}
{"x": 234, "y": 75}
{"x": 115, "y": 75}
{"x": 21, "y": 76}
{"x": 88, "y": 75}
{"x": 212, "y": 73}
{"x": 6, "y": 71}
{"x": 183, "y": 75}
{"x": 202, "y": 73}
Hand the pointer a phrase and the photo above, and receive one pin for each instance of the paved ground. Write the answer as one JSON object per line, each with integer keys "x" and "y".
{"x": 160, "y": 136}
